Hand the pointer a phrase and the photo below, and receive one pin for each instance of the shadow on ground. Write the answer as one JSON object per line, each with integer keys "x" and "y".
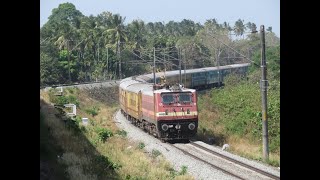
{"x": 209, "y": 137}
{"x": 51, "y": 150}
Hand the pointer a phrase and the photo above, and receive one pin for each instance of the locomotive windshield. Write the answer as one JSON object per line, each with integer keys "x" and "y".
{"x": 185, "y": 98}
{"x": 167, "y": 99}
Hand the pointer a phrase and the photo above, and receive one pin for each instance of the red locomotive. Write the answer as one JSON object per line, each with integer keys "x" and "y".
{"x": 166, "y": 112}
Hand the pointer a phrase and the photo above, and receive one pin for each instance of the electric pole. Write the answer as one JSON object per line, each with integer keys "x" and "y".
{"x": 184, "y": 63}
{"x": 179, "y": 55}
{"x": 119, "y": 59}
{"x": 154, "y": 65}
{"x": 263, "y": 86}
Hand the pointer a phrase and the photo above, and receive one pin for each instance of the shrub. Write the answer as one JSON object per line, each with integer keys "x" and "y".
{"x": 155, "y": 153}
{"x": 60, "y": 100}
{"x": 104, "y": 134}
{"x": 93, "y": 111}
{"x": 141, "y": 145}
{"x": 183, "y": 170}
{"x": 71, "y": 90}
{"x": 122, "y": 133}
{"x": 73, "y": 100}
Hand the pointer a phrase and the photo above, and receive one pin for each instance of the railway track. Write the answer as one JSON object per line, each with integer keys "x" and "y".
{"x": 203, "y": 164}
{"x": 230, "y": 171}
{"x": 212, "y": 165}
{"x": 236, "y": 161}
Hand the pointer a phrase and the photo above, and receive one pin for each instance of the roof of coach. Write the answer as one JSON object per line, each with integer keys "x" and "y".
{"x": 127, "y": 82}
{"x": 149, "y": 77}
{"x": 171, "y": 73}
{"x": 164, "y": 90}
{"x": 145, "y": 77}
{"x": 139, "y": 87}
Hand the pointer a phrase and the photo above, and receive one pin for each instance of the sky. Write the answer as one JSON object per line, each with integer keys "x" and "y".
{"x": 260, "y": 12}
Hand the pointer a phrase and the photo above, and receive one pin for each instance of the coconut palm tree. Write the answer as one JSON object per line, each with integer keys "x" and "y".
{"x": 239, "y": 27}
{"x": 116, "y": 36}
{"x": 65, "y": 40}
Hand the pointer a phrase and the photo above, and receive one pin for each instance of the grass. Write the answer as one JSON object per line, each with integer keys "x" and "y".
{"x": 233, "y": 115}
{"x": 101, "y": 150}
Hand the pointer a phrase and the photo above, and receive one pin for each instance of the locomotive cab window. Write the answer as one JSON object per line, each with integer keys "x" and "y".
{"x": 167, "y": 99}
{"x": 184, "y": 98}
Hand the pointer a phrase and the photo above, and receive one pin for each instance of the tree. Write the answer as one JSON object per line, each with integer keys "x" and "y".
{"x": 117, "y": 35}
{"x": 187, "y": 27}
{"x": 239, "y": 27}
{"x": 49, "y": 72}
{"x": 253, "y": 27}
{"x": 66, "y": 13}
{"x": 172, "y": 29}
{"x": 273, "y": 60}
{"x": 214, "y": 37}
{"x": 66, "y": 41}
{"x": 159, "y": 27}
{"x": 136, "y": 33}
{"x": 249, "y": 25}
{"x": 190, "y": 51}
{"x": 269, "y": 29}
{"x": 214, "y": 23}
{"x": 272, "y": 39}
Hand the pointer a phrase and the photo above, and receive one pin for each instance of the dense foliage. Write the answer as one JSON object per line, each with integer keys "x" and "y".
{"x": 78, "y": 48}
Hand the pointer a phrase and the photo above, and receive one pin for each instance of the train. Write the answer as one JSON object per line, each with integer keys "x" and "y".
{"x": 165, "y": 107}
{"x": 200, "y": 78}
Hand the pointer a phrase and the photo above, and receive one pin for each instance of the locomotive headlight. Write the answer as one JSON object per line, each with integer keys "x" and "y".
{"x": 164, "y": 127}
{"x": 178, "y": 126}
{"x": 191, "y": 126}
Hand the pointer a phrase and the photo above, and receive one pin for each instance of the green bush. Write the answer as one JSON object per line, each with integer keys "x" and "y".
{"x": 141, "y": 145}
{"x": 122, "y": 133}
{"x": 183, "y": 170}
{"x": 95, "y": 141}
{"x": 73, "y": 100}
{"x": 104, "y": 134}
{"x": 239, "y": 107}
{"x": 71, "y": 90}
{"x": 78, "y": 119}
{"x": 93, "y": 111}
{"x": 155, "y": 153}
{"x": 60, "y": 100}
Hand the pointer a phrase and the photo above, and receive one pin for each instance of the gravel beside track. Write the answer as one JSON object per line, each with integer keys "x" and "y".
{"x": 177, "y": 158}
